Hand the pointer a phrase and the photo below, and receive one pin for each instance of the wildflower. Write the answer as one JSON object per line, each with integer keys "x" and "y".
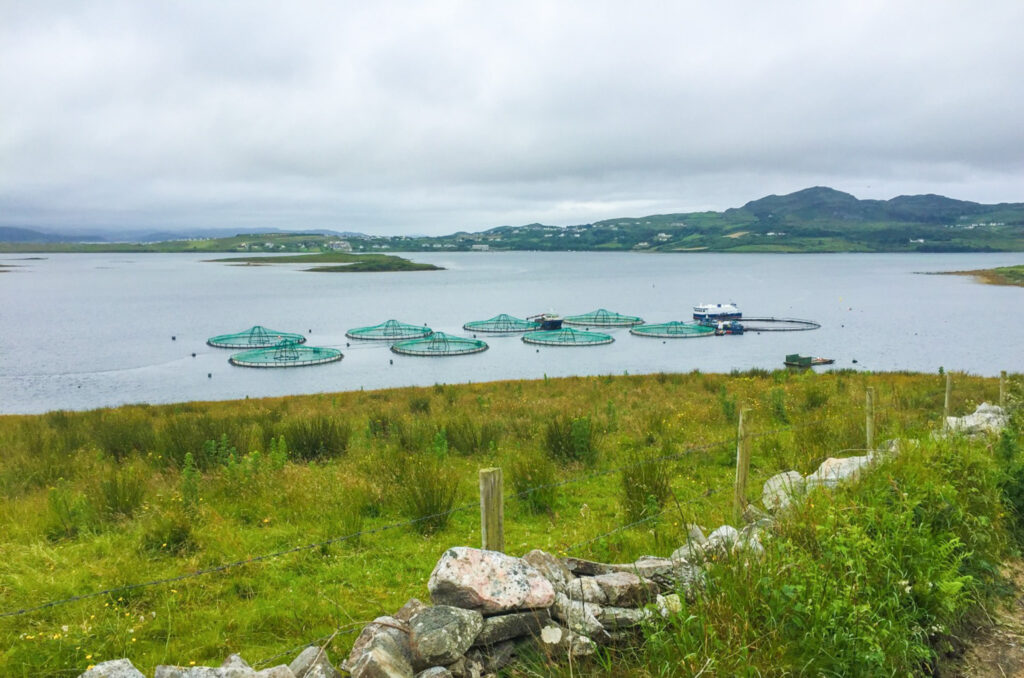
{"x": 64, "y": 628}
{"x": 88, "y": 656}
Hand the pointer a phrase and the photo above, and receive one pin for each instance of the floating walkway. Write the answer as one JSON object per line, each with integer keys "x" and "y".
{"x": 778, "y": 325}
{"x": 673, "y": 330}
{"x": 286, "y": 354}
{"x": 257, "y": 336}
{"x": 603, "y": 318}
{"x": 567, "y": 337}
{"x": 439, "y": 344}
{"x": 501, "y": 324}
{"x": 390, "y": 330}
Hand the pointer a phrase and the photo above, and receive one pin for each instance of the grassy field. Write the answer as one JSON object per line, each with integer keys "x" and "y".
{"x": 1006, "y": 275}
{"x": 95, "y": 500}
{"x": 349, "y": 263}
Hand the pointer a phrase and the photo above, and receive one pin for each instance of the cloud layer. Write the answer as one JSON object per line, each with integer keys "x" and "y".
{"x": 441, "y": 116}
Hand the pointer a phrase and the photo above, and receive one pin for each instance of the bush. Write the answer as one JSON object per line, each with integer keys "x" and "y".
{"x": 68, "y": 513}
{"x": 468, "y": 437}
{"x": 533, "y": 475}
{"x": 169, "y": 532}
{"x": 427, "y": 491}
{"x": 121, "y": 432}
{"x": 570, "y": 439}
{"x": 119, "y": 495}
{"x": 318, "y": 438}
{"x": 646, "y": 484}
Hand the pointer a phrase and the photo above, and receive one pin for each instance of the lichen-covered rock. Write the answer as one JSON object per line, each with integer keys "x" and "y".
{"x": 397, "y": 629}
{"x": 586, "y": 589}
{"x": 555, "y": 640}
{"x": 313, "y": 662}
{"x": 985, "y": 419}
{"x": 689, "y": 553}
{"x": 281, "y": 671}
{"x": 409, "y": 610}
{"x": 580, "y": 617}
{"x": 587, "y": 568}
{"x": 647, "y": 567}
{"x": 502, "y": 627}
{"x": 669, "y": 605}
{"x": 435, "y": 672}
{"x": 495, "y": 658}
{"x": 722, "y": 539}
{"x": 465, "y": 667}
{"x": 618, "y": 618}
{"x": 779, "y": 490}
{"x": 834, "y": 471}
{"x": 625, "y": 589}
{"x": 167, "y": 671}
{"x": 552, "y": 568}
{"x": 488, "y": 581}
{"x": 441, "y": 634}
{"x": 382, "y": 658}
{"x": 115, "y": 668}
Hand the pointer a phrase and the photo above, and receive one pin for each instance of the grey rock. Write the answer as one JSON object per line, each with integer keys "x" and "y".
{"x": 722, "y": 539}
{"x": 115, "y": 668}
{"x": 695, "y": 535}
{"x": 388, "y": 626}
{"x": 313, "y": 662}
{"x": 466, "y": 668}
{"x": 624, "y": 589}
{"x": 488, "y": 581}
{"x": 501, "y": 655}
{"x": 409, "y": 610}
{"x": 580, "y": 617}
{"x": 435, "y": 672}
{"x": 553, "y": 569}
{"x": 587, "y": 568}
{"x": 689, "y": 553}
{"x": 753, "y": 515}
{"x": 236, "y": 667}
{"x": 618, "y": 618}
{"x": 834, "y": 471}
{"x": 382, "y": 658}
{"x": 166, "y": 671}
{"x": 647, "y": 567}
{"x": 301, "y": 664}
{"x": 985, "y": 419}
{"x": 669, "y": 605}
{"x": 504, "y": 627}
{"x": 441, "y": 634}
{"x": 779, "y": 490}
{"x": 587, "y": 590}
{"x": 557, "y": 641}
{"x": 281, "y": 671}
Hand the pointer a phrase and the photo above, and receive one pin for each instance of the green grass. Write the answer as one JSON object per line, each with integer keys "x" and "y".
{"x": 1005, "y": 275}
{"x": 353, "y": 263}
{"x": 94, "y": 500}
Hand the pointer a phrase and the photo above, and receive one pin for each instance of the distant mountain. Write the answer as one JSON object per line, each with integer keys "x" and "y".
{"x": 12, "y": 234}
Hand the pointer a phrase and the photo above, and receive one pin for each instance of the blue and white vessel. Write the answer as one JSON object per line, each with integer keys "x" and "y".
{"x": 716, "y": 312}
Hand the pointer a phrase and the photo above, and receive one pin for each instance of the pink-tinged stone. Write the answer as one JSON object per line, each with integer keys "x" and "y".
{"x": 488, "y": 581}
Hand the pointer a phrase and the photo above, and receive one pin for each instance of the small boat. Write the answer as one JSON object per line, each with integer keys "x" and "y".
{"x": 548, "y": 321}
{"x": 797, "y": 360}
{"x": 724, "y": 327}
{"x": 716, "y": 312}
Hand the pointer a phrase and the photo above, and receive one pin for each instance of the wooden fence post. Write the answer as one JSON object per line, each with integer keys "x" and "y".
{"x": 492, "y": 510}
{"x": 945, "y": 406}
{"x": 739, "y": 500}
{"x": 1002, "y": 389}
{"x": 869, "y": 415}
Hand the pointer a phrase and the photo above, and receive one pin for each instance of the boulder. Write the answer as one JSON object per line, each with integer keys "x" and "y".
{"x": 407, "y": 611}
{"x": 580, "y": 617}
{"x": 688, "y": 553}
{"x": 586, "y": 589}
{"x": 647, "y": 567}
{"x": 281, "y": 671}
{"x": 382, "y": 658}
{"x": 550, "y": 567}
{"x": 669, "y": 604}
{"x": 387, "y": 626}
{"x": 624, "y": 589}
{"x": 780, "y": 489}
{"x": 115, "y": 668}
{"x": 495, "y": 658}
{"x": 834, "y": 471}
{"x": 985, "y": 419}
{"x": 465, "y": 667}
{"x": 500, "y": 628}
{"x": 441, "y": 634}
{"x": 722, "y": 539}
{"x": 618, "y": 618}
{"x": 555, "y": 640}
{"x": 587, "y": 568}
{"x": 435, "y": 672}
{"x": 488, "y": 581}
{"x": 167, "y": 671}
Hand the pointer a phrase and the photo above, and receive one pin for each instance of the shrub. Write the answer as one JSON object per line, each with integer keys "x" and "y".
{"x": 533, "y": 476}
{"x": 121, "y": 432}
{"x": 318, "y": 438}
{"x": 570, "y": 439}
{"x": 419, "y": 404}
{"x": 68, "y": 513}
{"x": 468, "y": 437}
{"x": 119, "y": 495}
{"x": 427, "y": 490}
{"x": 169, "y": 532}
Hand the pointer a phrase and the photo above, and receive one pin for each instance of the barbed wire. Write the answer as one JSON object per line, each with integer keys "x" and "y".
{"x": 346, "y": 630}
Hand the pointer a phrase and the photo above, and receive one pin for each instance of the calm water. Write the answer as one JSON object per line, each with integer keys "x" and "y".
{"x": 84, "y": 331}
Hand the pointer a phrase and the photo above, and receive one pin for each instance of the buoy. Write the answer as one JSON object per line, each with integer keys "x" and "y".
{"x": 391, "y": 362}
{"x": 311, "y": 331}
{"x": 854, "y": 360}
{"x": 193, "y": 355}
{"x": 173, "y": 338}
{"x": 209, "y": 375}
{"x": 538, "y": 350}
{"x": 346, "y": 344}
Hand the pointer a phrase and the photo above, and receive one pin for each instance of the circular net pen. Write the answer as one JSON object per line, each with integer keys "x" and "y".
{"x": 257, "y": 336}
{"x": 390, "y": 330}
{"x": 603, "y": 318}
{"x": 501, "y": 324}
{"x": 439, "y": 344}
{"x": 286, "y": 354}
{"x": 778, "y": 325}
{"x": 674, "y": 330}
{"x": 567, "y": 337}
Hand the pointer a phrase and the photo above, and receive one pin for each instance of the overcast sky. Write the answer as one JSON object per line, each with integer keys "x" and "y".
{"x": 432, "y": 117}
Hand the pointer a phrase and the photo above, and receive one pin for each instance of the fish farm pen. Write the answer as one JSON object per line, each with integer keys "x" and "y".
{"x": 673, "y": 330}
{"x": 390, "y": 330}
{"x": 603, "y": 318}
{"x": 255, "y": 337}
{"x": 778, "y": 325}
{"x": 567, "y": 337}
{"x": 501, "y": 324}
{"x": 439, "y": 344}
{"x": 286, "y": 354}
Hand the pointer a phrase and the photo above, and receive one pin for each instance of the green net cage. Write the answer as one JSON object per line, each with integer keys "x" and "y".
{"x": 567, "y": 337}
{"x": 257, "y": 336}
{"x": 673, "y": 330}
{"x": 390, "y": 330}
{"x": 603, "y": 318}
{"x": 502, "y": 323}
{"x": 286, "y": 354}
{"x": 440, "y": 344}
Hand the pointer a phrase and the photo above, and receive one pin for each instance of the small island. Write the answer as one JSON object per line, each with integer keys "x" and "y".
{"x": 1005, "y": 275}
{"x": 339, "y": 262}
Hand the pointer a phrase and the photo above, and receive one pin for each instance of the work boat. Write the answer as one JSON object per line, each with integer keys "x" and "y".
{"x": 716, "y": 312}
{"x": 548, "y": 321}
